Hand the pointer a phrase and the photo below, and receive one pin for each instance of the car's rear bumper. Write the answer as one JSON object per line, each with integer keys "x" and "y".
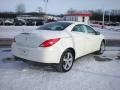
{"x": 39, "y": 54}
{"x": 35, "y": 62}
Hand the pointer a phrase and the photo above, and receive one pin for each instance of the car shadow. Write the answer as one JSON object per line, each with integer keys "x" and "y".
{"x": 19, "y": 64}
{"x": 102, "y": 58}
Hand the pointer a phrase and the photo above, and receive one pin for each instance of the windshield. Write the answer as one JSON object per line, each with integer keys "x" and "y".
{"x": 56, "y": 26}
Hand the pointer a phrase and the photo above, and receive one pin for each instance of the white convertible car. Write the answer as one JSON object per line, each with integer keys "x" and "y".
{"x": 58, "y": 43}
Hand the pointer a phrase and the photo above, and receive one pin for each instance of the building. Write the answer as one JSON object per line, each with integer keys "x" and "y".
{"x": 80, "y": 17}
{"x": 30, "y": 18}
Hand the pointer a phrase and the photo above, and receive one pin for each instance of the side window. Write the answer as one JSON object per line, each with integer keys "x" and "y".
{"x": 78, "y": 28}
{"x": 90, "y": 30}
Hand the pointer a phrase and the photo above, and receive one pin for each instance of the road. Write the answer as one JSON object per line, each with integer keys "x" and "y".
{"x": 90, "y": 72}
{"x": 113, "y": 43}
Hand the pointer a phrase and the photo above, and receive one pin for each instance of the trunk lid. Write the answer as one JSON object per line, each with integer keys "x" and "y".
{"x": 35, "y": 38}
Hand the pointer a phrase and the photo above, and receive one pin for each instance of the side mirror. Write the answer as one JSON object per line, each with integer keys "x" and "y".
{"x": 97, "y": 33}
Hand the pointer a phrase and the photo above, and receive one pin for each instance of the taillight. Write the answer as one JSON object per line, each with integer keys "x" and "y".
{"x": 49, "y": 42}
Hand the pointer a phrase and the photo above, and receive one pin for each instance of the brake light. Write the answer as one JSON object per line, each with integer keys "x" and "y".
{"x": 49, "y": 42}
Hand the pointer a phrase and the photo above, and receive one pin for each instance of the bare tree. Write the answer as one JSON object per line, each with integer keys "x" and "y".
{"x": 70, "y": 11}
{"x": 20, "y": 8}
{"x": 39, "y": 9}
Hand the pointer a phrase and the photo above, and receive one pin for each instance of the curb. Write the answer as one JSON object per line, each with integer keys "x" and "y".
{"x": 109, "y": 42}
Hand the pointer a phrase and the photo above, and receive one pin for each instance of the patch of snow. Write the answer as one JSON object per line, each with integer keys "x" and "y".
{"x": 86, "y": 74}
{"x": 11, "y": 31}
{"x": 109, "y": 34}
{"x": 113, "y": 28}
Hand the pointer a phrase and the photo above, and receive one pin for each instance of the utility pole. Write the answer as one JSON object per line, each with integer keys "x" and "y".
{"x": 109, "y": 16}
{"x": 45, "y": 17}
{"x": 46, "y": 2}
{"x": 103, "y": 18}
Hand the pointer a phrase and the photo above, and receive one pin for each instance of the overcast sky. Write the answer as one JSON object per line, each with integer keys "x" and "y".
{"x": 60, "y": 6}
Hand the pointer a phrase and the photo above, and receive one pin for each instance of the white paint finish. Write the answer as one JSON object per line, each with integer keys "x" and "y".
{"x": 79, "y": 40}
{"x": 92, "y": 42}
{"x": 68, "y": 39}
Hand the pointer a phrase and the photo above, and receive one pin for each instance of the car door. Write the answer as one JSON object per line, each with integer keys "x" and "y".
{"x": 78, "y": 35}
{"x": 93, "y": 40}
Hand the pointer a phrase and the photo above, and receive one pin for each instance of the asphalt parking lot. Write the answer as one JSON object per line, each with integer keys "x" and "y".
{"x": 90, "y": 72}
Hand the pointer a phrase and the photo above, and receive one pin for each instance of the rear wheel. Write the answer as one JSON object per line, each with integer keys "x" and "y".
{"x": 19, "y": 59}
{"x": 16, "y": 58}
{"x": 66, "y": 61}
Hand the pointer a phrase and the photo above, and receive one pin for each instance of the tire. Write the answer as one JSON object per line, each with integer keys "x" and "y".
{"x": 66, "y": 61}
{"x": 19, "y": 59}
{"x": 16, "y": 58}
{"x": 102, "y": 49}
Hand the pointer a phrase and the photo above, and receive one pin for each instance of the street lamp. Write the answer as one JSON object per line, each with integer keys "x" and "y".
{"x": 103, "y": 18}
{"x": 109, "y": 16}
{"x": 45, "y": 17}
{"x": 46, "y": 2}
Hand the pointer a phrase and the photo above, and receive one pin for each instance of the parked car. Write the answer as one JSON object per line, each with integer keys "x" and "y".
{"x": 39, "y": 22}
{"x": 50, "y": 20}
{"x": 8, "y": 23}
{"x": 30, "y": 23}
{"x": 58, "y": 43}
{"x": 1, "y": 22}
{"x": 19, "y": 22}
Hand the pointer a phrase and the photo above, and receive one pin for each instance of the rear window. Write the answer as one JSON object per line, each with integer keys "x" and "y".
{"x": 55, "y": 26}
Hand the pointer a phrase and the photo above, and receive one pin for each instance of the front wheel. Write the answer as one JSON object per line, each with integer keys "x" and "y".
{"x": 102, "y": 49}
{"x": 66, "y": 61}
